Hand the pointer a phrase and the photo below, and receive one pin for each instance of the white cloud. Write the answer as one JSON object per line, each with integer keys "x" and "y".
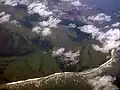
{"x": 58, "y": 52}
{"x": 72, "y": 55}
{"x": 106, "y": 26}
{"x": 34, "y": 7}
{"x": 113, "y": 34}
{"x": 11, "y": 2}
{"x": 15, "y": 22}
{"x": 44, "y": 23}
{"x": 100, "y": 17}
{"x": 68, "y": 58}
{"x": 73, "y": 2}
{"x": 109, "y": 39}
{"x": 71, "y": 25}
{"x": 15, "y": 2}
{"x": 52, "y": 22}
{"x": 37, "y": 29}
{"x": 76, "y": 3}
{"x": 91, "y": 29}
{"x": 102, "y": 82}
{"x": 42, "y": 31}
{"x": 4, "y": 17}
{"x": 66, "y": 0}
{"x": 107, "y": 46}
{"x": 2, "y": 13}
{"x": 45, "y": 26}
{"x": 117, "y": 24}
{"x": 46, "y": 32}
{"x": 39, "y": 8}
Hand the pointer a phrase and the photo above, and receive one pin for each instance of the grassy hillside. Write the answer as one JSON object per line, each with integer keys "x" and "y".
{"x": 24, "y": 54}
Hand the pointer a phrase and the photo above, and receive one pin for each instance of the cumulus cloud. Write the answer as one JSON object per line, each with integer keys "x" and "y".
{"x": 44, "y": 27}
{"x": 71, "y": 25}
{"x": 42, "y": 31}
{"x": 68, "y": 58}
{"x": 15, "y": 2}
{"x": 106, "y": 26}
{"x": 34, "y": 7}
{"x": 107, "y": 46}
{"x": 39, "y": 8}
{"x": 46, "y": 32}
{"x": 2, "y": 13}
{"x": 73, "y": 2}
{"x": 4, "y": 17}
{"x": 91, "y": 29}
{"x": 117, "y": 24}
{"x": 58, "y": 52}
{"x": 109, "y": 39}
{"x": 51, "y": 22}
{"x": 102, "y": 82}
{"x": 100, "y": 17}
{"x": 37, "y": 29}
{"x": 15, "y": 22}
{"x": 71, "y": 55}
{"x": 66, "y": 0}
{"x": 11, "y": 2}
{"x": 76, "y": 3}
{"x": 112, "y": 34}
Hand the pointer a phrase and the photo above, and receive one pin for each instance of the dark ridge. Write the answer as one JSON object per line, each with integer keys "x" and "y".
{"x": 42, "y": 44}
{"x": 14, "y": 54}
{"x": 13, "y": 44}
{"x": 79, "y": 35}
{"x": 66, "y": 22}
{"x": 21, "y": 6}
{"x": 26, "y": 23}
{"x": 33, "y": 17}
{"x": 117, "y": 82}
